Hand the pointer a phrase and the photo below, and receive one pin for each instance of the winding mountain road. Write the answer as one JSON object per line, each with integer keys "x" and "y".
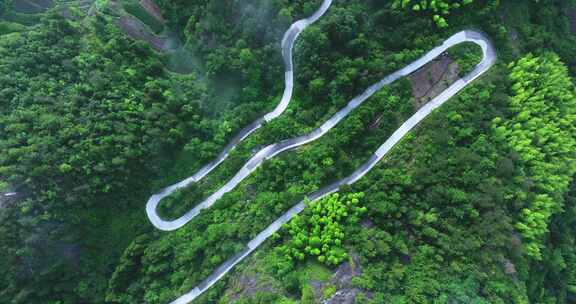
{"x": 489, "y": 58}
{"x": 287, "y": 46}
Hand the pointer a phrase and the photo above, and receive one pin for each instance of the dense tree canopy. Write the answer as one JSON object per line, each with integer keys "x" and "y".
{"x": 439, "y": 9}
{"x": 78, "y": 118}
{"x": 541, "y": 130}
{"x": 321, "y": 232}
{"x": 475, "y": 206}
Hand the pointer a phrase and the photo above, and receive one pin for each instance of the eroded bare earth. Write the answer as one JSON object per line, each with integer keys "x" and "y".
{"x": 153, "y": 10}
{"x": 432, "y": 79}
{"x": 138, "y": 30}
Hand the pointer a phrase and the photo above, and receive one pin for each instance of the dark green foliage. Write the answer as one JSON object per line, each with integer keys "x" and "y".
{"x": 78, "y": 116}
{"x": 440, "y": 234}
{"x": 10, "y": 27}
{"x": 554, "y": 279}
{"x": 467, "y": 56}
{"x": 5, "y": 6}
{"x": 541, "y": 26}
{"x": 91, "y": 124}
{"x": 240, "y": 214}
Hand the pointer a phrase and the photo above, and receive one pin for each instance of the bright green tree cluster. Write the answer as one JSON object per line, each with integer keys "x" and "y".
{"x": 542, "y": 131}
{"x": 320, "y": 233}
{"x": 439, "y": 8}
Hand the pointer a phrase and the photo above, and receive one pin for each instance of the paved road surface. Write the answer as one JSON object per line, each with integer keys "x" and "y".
{"x": 287, "y": 46}
{"x": 277, "y": 148}
{"x": 489, "y": 58}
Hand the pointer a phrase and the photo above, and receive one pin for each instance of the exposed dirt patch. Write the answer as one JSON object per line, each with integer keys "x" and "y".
{"x": 432, "y": 79}
{"x": 138, "y": 30}
{"x": 572, "y": 15}
{"x": 153, "y": 9}
{"x": 167, "y": 41}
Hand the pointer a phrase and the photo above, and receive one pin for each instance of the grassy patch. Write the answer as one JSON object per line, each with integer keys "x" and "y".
{"x": 313, "y": 271}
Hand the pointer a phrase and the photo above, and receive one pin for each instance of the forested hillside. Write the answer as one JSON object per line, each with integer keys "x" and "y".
{"x": 103, "y": 103}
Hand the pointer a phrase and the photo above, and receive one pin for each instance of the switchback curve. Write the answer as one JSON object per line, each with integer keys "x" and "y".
{"x": 277, "y": 148}
{"x": 287, "y": 46}
{"x": 488, "y": 60}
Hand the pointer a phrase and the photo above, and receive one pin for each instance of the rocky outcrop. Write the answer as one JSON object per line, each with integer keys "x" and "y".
{"x": 138, "y": 30}
{"x": 153, "y": 9}
{"x": 345, "y": 293}
{"x": 344, "y": 296}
